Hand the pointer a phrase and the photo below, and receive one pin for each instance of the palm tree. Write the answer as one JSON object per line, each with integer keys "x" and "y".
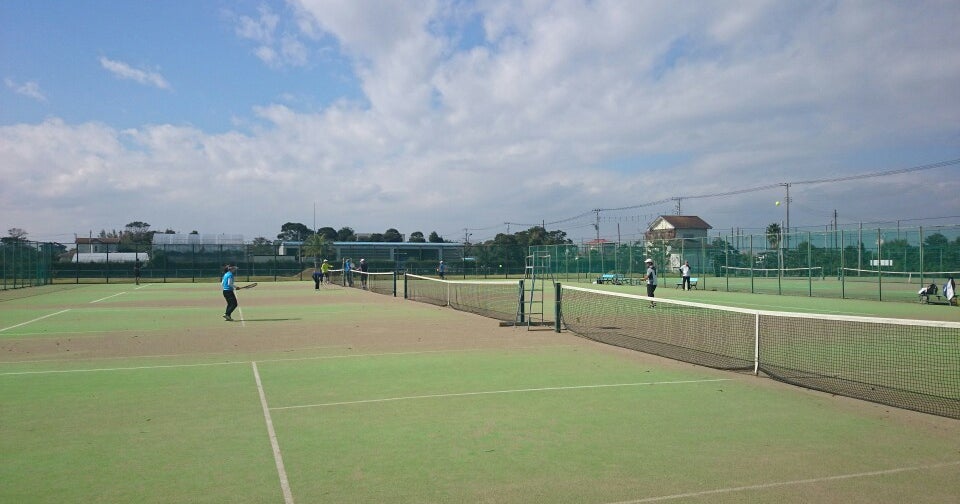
{"x": 773, "y": 235}
{"x": 316, "y": 246}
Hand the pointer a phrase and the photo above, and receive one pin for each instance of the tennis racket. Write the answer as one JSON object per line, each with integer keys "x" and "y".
{"x": 248, "y": 286}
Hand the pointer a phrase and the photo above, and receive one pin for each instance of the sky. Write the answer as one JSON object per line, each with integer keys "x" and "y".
{"x": 473, "y": 118}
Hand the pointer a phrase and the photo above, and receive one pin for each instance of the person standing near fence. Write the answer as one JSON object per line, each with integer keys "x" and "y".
{"x": 364, "y": 269}
{"x": 442, "y": 269}
{"x": 348, "y": 271}
{"x": 228, "y": 287}
{"x": 685, "y": 275}
{"x": 325, "y": 271}
{"x": 136, "y": 271}
{"x": 317, "y": 278}
{"x": 651, "y": 279}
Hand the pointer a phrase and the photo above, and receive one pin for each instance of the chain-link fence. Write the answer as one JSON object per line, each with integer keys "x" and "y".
{"x": 25, "y": 263}
{"x": 871, "y": 264}
{"x": 874, "y": 264}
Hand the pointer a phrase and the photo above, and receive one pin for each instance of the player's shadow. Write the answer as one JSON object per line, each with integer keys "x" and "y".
{"x": 270, "y": 319}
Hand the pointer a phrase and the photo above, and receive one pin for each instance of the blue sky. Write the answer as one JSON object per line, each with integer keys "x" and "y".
{"x": 460, "y": 117}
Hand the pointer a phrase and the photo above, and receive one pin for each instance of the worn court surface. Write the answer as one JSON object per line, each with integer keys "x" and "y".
{"x": 368, "y": 398}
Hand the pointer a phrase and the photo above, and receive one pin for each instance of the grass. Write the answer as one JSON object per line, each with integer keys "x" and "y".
{"x": 146, "y": 395}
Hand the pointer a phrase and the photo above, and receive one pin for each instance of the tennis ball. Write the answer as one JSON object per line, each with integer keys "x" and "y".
{"x": 777, "y": 203}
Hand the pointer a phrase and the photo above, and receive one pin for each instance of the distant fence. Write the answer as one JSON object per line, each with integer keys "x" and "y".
{"x": 874, "y": 264}
{"x": 871, "y": 264}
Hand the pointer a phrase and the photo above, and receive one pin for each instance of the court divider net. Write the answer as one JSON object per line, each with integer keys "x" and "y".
{"x": 909, "y": 364}
{"x": 497, "y": 299}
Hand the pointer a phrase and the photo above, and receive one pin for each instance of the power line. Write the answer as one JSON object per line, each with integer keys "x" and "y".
{"x": 766, "y": 187}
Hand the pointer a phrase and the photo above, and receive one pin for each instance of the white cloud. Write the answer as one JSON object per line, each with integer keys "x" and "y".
{"x": 552, "y": 109}
{"x": 275, "y": 47}
{"x": 124, "y": 71}
{"x": 30, "y": 89}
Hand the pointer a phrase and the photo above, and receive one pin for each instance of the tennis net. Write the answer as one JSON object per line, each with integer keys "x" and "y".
{"x": 907, "y": 277}
{"x": 907, "y": 364}
{"x": 815, "y": 272}
{"x": 497, "y": 299}
{"x": 381, "y": 283}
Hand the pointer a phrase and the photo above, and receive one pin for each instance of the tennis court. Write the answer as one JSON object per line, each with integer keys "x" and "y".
{"x": 119, "y": 393}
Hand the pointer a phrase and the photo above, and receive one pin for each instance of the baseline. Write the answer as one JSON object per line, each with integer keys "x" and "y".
{"x": 34, "y": 320}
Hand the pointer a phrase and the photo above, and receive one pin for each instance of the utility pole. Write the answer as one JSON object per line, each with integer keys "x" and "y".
{"x": 787, "y": 202}
{"x": 597, "y": 225}
{"x": 678, "y": 205}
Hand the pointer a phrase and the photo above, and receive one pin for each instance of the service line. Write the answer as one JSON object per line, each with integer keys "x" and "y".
{"x": 489, "y": 392}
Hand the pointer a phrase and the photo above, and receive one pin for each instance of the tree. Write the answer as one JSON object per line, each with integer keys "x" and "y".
{"x": 262, "y": 246}
{"x": 137, "y": 235}
{"x": 316, "y": 247}
{"x": 328, "y": 233}
{"x": 417, "y": 237}
{"x": 435, "y": 238}
{"x": 17, "y": 235}
{"x": 294, "y": 231}
{"x": 346, "y": 234}
{"x": 392, "y": 235}
{"x": 375, "y": 237}
{"x": 773, "y": 235}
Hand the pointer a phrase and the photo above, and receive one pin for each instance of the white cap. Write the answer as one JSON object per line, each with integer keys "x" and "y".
{"x": 649, "y": 261}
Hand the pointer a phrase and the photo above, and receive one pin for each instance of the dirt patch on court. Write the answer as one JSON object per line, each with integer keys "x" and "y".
{"x": 444, "y": 330}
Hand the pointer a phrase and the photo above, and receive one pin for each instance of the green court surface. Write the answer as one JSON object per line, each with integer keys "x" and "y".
{"x": 114, "y": 393}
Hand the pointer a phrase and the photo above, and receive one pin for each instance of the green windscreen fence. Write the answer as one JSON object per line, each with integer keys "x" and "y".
{"x": 25, "y": 263}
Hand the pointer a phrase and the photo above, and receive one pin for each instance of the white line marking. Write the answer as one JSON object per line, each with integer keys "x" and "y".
{"x": 242, "y": 322}
{"x": 108, "y": 297}
{"x": 787, "y": 483}
{"x": 284, "y": 484}
{"x": 132, "y": 368}
{"x": 170, "y": 366}
{"x": 514, "y": 391}
{"x": 34, "y": 320}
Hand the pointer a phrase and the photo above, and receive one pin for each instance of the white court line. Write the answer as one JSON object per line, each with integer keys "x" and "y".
{"x": 765, "y": 486}
{"x": 108, "y": 297}
{"x": 488, "y": 392}
{"x": 34, "y": 320}
{"x": 412, "y": 352}
{"x": 242, "y": 322}
{"x": 131, "y": 368}
{"x": 171, "y": 366}
{"x": 277, "y": 457}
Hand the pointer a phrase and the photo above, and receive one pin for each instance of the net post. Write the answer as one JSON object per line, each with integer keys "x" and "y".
{"x": 405, "y": 286}
{"x": 394, "y": 283}
{"x": 523, "y": 302}
{"x": 557, "y": 307}
{"x": 756, "y": 344}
